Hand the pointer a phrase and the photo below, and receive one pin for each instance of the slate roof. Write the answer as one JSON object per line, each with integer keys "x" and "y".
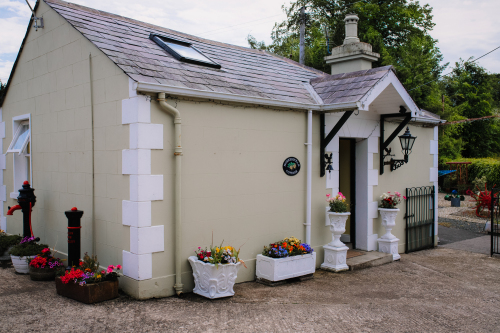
{"x": 348, "y": 87}
{"x": 244, "y": 71}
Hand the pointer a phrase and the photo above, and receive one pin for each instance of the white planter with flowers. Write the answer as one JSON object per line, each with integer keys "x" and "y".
{"x": 21, "y": 263}
{"x": 336, "y": 251}
{"x": 278, "y": 269}
{"x": 215, "y": 271}
{"x": 389, "y": 243}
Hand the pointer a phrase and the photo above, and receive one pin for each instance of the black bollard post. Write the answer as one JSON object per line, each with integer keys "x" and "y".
{"x": 26, "y": 200}
{"x": 74, "y": 237}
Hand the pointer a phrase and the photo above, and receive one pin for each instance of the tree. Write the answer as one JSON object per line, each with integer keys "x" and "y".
{"x": 469, "y": 94}
{"x": 3, "y": 91}
{"x": 397, "y": 29}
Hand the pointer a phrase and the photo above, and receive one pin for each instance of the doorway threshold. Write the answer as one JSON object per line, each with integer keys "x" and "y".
{"x": 363, "y": 259}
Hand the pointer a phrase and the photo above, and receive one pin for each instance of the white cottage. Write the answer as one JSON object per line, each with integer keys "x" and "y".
{"x": 104, "y": 100}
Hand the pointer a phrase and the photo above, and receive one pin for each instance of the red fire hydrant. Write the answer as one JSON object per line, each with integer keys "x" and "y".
{"x": 26, "y": 200}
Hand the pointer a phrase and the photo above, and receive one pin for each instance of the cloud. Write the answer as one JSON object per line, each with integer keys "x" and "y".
{"x": 5, "y": 68}
{"x": 468, "y": 28}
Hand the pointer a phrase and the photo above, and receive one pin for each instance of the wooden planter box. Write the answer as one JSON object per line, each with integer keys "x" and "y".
{"x": 272, "y": 269}
{"x": 89, "y": 293}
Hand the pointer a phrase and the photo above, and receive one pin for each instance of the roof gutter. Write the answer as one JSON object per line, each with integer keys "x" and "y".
{"x": 147, "y": 87}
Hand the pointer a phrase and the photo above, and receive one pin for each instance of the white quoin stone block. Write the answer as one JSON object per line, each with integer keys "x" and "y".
{"x": 2, "y": 130}
{"x": 136, "y": 110}
{"x": 433, "y": 175}
{"x": 3, "y": 193}
{"x": 2, "y": 161}
{"x": 146, "y": 136}
{"x": 434, "y": 147}
{"x": 373, "y": 209}
{"x": 146, "y": 187}
{"x": 136, "y": 161}
{"x": 3, "y": 223}
{"x": 373, "y": 177}
{"x": 147, "y": 240}
{"x": 332, "y": 179}
{"x": 137, "y": 266}
{"x": 136, "y": 214}
{"x": 373, "y": 145}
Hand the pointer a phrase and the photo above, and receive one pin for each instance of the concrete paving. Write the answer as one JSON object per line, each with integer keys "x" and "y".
{"x": 438, "y": 290}
{"x": 464, "y": 240}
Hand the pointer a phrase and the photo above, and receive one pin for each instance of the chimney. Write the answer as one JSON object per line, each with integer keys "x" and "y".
{"x": 353, "y": 55}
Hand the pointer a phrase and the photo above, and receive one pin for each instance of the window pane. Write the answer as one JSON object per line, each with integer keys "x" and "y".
{"x": 188, "y": 52}
{"x": 22, "y": 137}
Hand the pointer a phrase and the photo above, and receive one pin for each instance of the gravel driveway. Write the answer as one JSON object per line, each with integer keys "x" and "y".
{"x": 439, "y": 290}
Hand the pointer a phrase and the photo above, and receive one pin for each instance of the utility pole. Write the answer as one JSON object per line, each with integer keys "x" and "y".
{"x": 302, "y": 35}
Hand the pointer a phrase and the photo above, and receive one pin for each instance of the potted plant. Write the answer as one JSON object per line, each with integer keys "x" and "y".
{"x": 336, "y": 250}
{"x": 285, "y": 259}
{"x": 43, "y": 267}
{"x": 26, "y": 250}
{"x": 454, "y": 198}
{"x": 388, "y": 243}
{"x": 87, "y": 283}
{"x": 6, "y": 243}
{"x": 215, "y": 271}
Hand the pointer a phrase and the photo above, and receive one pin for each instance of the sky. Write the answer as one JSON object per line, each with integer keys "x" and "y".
{"x": 464, "y": 28}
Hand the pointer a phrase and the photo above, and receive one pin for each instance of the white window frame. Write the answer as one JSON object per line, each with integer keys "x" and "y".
{"x": 17, "y": 122}
{"x": 16, "y": 137}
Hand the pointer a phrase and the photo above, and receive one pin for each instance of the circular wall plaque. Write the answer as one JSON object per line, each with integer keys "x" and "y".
{"x": 291, "y": 166}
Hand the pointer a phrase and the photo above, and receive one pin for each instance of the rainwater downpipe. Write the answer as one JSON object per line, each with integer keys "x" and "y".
{"x": 178, "y": 158}
{"x": 309, "y": 177}
{"x": 94, "y": 230}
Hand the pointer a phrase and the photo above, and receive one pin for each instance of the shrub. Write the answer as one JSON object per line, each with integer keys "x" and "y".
{"x": 488, "y": 168}
{"x": 28, "y": 247}
{"x": 7, "y": 241}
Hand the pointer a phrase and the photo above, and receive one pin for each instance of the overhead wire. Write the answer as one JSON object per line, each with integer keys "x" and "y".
{"x": 440, "y": 76}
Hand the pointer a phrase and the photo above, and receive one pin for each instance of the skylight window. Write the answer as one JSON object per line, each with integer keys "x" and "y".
{"x": 183, "y": 51}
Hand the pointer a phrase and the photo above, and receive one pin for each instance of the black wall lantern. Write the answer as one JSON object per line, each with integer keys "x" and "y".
{"x": 406, "y": 140}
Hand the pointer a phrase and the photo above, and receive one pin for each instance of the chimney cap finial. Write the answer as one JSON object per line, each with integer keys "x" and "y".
{"x": 351, "y": 28}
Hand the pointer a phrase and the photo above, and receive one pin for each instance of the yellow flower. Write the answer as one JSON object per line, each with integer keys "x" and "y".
{"x": 98, "y": 276}
{"x": 217, "y": 250}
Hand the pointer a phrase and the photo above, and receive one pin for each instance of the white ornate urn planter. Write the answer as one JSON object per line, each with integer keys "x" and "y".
{"x": 277, "y": 269}
{"x": 388, "y": 243}
{"x": 21, "y": 264}
{"x": 336, "y": 251}
{"x": 211, "y": 281}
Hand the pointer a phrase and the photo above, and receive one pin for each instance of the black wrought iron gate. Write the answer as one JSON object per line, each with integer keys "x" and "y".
{"x": 420, "y": 218}
{"x": 495, "y": 222}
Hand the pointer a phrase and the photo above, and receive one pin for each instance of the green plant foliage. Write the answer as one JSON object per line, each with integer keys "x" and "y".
{"x": 398, "y": 30}
{"x": 483, "y": 168}
{"x": 27, "y": 249}
{"x": 7, "y": 241}
{"x": 469, "y": 92}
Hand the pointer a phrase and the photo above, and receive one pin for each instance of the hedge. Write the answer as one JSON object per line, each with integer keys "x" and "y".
{"x": 480, "y": 167}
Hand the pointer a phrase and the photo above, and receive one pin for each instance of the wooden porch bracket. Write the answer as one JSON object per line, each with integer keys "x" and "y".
{"x": 386, "y": 143}
{"x": 326, "y": 140}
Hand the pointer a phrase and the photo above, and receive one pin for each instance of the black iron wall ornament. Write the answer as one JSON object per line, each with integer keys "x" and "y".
{"x": 291, "y": 166}
{"x": 328, "y": 162}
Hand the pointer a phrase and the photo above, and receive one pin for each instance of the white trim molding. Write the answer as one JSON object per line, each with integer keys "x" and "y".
{"x": 145, "y": 239}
